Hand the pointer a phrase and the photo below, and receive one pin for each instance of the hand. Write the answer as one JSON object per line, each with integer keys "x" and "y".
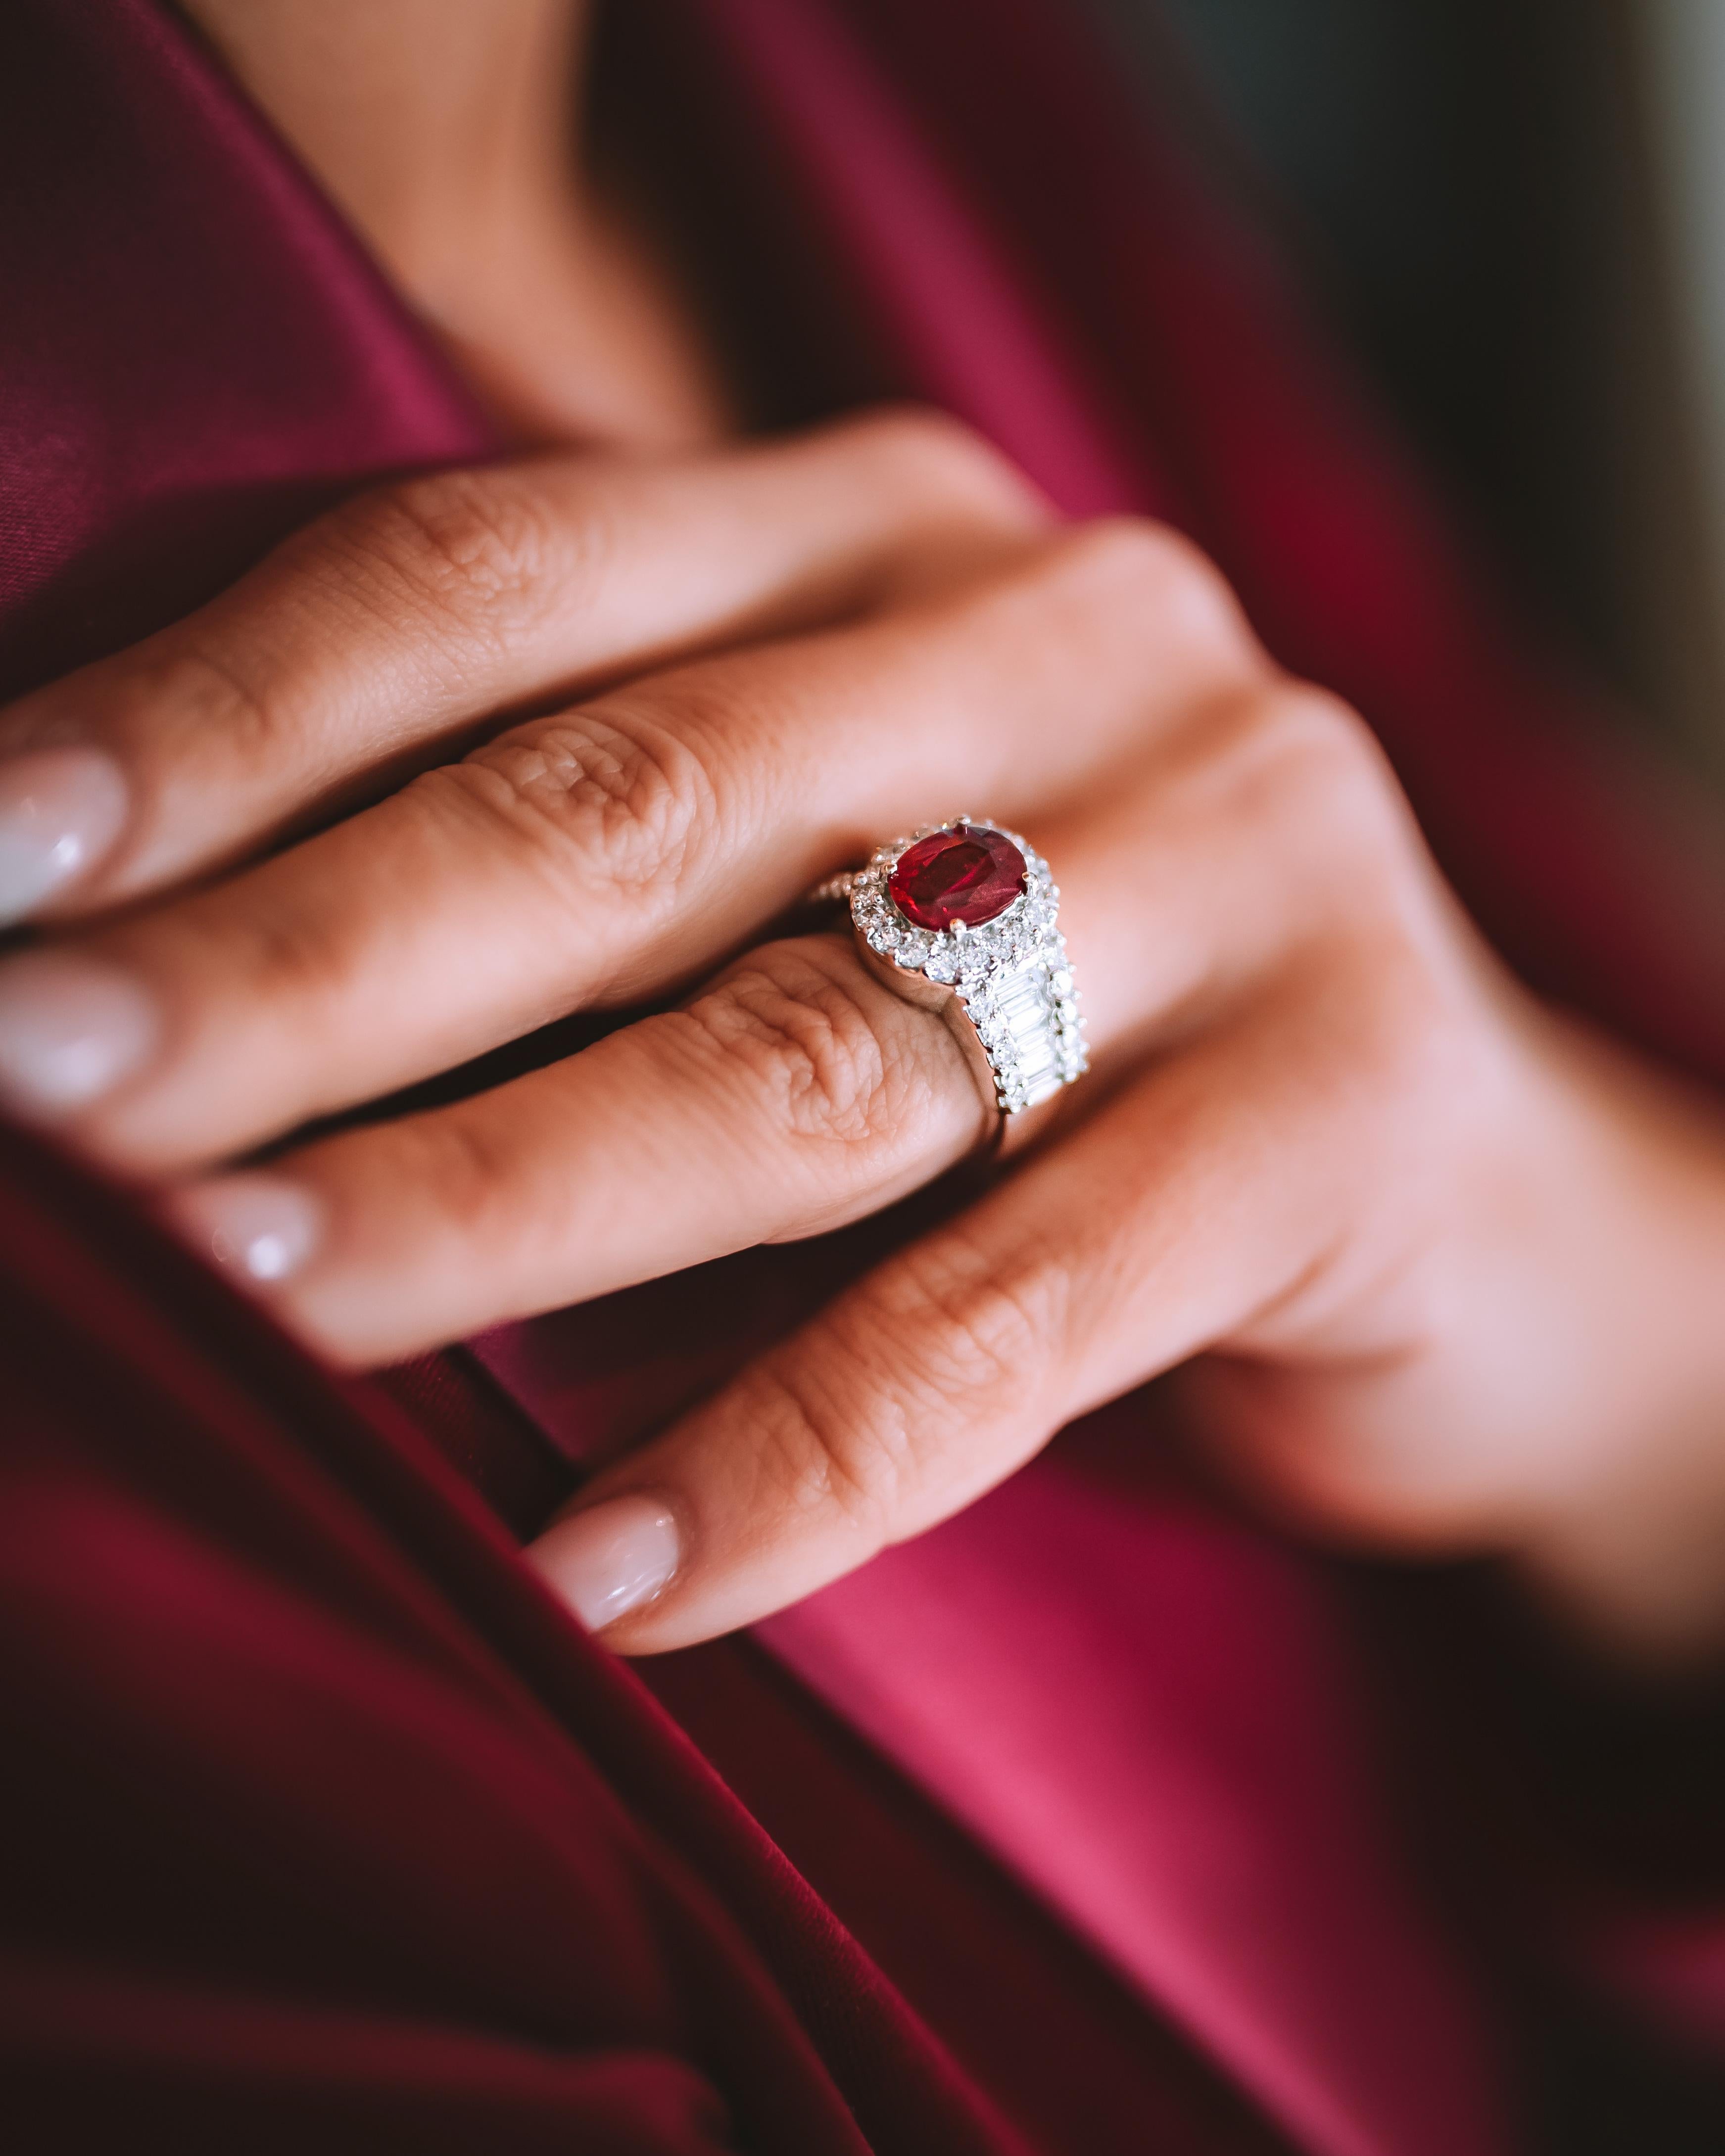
{"x": 1438, "y": 1268}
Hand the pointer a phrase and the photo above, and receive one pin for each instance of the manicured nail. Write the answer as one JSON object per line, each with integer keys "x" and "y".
{"x": 256, "y": 1225}
{"x": 60, "y": 809}
{"x": 610, "y": 1559}
{"x": 70, "y": 1030}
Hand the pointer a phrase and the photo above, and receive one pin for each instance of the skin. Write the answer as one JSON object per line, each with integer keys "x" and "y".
{"x": 452, "y": 135}
{"x": 1438, "y": 1270}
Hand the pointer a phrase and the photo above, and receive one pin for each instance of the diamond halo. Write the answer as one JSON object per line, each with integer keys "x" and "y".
{"x": 1011, "y": 974}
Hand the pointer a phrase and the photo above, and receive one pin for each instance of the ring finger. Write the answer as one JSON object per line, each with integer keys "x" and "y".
{"x": 602, "y": 856}
{"x": 795, "y": 1092}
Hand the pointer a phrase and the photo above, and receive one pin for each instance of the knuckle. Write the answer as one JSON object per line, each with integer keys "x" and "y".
{"x": 292, "y": 959}
{"x": 818, "y": 1453}
{"x": 1132, "y": 594}
{"x": 861, "y": 1424}
{"x": 1166, "y": 582}
{"x": 934, "y": 453}
{"x": 1418, "y": 1060}
{"x": 827, "y": 1048}
{"x": 477, "y": 548}
{"x": 466, "y": 1160}
{"x": 1335, "y": 817}
{"x": 193, "y": 694}
{"x": 978, "y": 1326}
{"x": 1289, "y": 761}
{"x": 1325, "y": 767}
{"x": 593, "y": 797}
{"x": 1310, "y": 726}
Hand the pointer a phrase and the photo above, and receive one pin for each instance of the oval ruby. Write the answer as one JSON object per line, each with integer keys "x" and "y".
{"x": 966, "y": 873}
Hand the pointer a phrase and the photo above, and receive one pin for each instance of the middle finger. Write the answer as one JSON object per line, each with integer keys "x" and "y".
{"x": 794, "y": 1093}
{"x": 597, "y": 856}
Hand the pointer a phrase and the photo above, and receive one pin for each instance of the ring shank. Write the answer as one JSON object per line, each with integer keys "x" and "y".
{"x": 945, "y": 1005}
{"x": 1003, "y": 985}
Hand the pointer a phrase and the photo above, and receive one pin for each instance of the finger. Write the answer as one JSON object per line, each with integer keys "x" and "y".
{"x": 601, "y": 855}
{"x": 795, "y": 1092}
{"x": 1230, "y": 1195}
{"x": 386, "y": 628}
{"x": 1184, "y": 1208}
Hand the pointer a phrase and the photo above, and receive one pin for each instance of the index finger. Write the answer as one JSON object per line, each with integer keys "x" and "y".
{"x": 368, "y": 644}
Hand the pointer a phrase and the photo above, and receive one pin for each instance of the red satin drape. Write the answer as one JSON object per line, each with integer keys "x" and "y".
{"x": 320, "y": 1822}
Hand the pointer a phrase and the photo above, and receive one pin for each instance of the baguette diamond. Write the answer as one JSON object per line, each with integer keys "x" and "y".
{"x": 974, "y": 908}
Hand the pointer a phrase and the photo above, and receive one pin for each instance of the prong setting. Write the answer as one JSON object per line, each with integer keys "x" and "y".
{"x": 1010, "y": 973}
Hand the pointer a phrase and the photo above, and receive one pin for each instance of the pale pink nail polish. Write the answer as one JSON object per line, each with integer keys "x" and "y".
{"x": 71, "y": 1028}
{"x": 609, "y": 1560}
{"x": 60, "y": 809}
{"x": 261, "y": 1227}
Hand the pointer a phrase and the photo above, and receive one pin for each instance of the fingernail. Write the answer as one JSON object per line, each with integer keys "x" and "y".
{"x": 70, "y": 1030}
{"x": 610, "y": 1559}
{"x": 60, "y": 809}
{"x": 259, "y": 1226}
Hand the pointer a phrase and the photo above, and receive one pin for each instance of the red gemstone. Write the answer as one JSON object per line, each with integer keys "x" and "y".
{"x": 965, "y": 873}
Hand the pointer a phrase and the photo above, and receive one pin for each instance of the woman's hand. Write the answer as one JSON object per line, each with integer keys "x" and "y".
{"x": 1448, "y": 1272}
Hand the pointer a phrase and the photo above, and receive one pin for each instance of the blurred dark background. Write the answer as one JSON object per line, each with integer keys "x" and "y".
{"x": 1514, "y": 213}
{"x": 1503, "y": 205}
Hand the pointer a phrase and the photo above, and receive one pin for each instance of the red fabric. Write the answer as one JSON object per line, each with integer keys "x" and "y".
{"x": 327, "y": 1823}
{"x": 1149, "y": 1712}
{"x": 1041, "y": 265}
{"x": 1103, "y": 1688}
{"x": 197, "y": 356}
{"x": 321, "y": 1822}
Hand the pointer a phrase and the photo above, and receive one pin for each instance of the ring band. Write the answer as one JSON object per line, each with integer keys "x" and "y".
{"x": 963, "y": 918}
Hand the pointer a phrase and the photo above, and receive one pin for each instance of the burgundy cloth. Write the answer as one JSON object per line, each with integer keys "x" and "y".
{"x": 322, "y": 1824}
{"x": 1151, "y": 1714}
{"x": 196, "y": 355}
{"x": 335, "y": 1826}
{"x": 313, "y": 1837}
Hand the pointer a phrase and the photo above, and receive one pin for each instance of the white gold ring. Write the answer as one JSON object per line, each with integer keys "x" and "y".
{"x": 963, "y": 918}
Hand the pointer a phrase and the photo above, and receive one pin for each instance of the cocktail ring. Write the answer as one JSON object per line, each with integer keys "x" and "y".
{"x": 963, "y": 918}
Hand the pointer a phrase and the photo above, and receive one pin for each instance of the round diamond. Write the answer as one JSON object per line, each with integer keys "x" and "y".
{"x": 964, "y": 872}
